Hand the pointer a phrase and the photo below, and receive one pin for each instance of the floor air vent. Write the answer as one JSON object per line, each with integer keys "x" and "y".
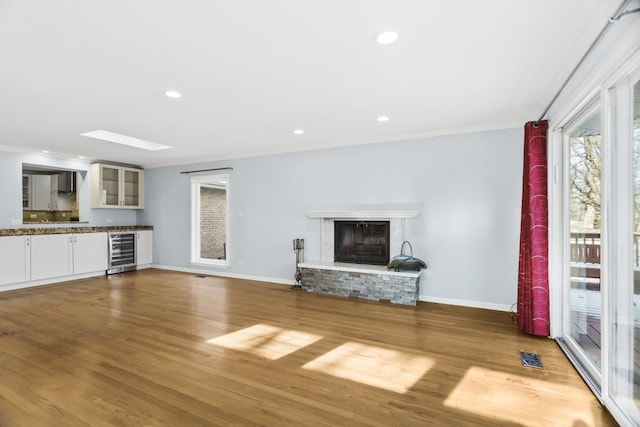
{"x": 201, "y": 276}
{"x": 530, "y": 360}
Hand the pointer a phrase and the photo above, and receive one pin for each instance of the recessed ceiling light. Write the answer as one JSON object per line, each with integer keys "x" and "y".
{"x": 298, "y": 131}
{"x": 173, "y": 94}
{"x": 386, "y": 37}
{"x": 81, "y": 157}
{"x": 383, "y": 119}
{"x": 45, "y": 151}
{"x": 105, "y": 135}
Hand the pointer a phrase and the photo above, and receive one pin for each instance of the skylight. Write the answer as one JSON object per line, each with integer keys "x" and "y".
{"x": 105, "y": 135}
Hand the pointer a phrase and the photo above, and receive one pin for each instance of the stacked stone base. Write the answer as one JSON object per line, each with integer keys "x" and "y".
{"x": 388, "y": 286}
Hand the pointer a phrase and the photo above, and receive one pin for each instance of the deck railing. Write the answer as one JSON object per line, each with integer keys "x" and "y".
{"x": 585, "y": 248}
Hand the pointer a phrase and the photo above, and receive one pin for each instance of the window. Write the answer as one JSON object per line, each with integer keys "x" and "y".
{"x": 209, "y": 220}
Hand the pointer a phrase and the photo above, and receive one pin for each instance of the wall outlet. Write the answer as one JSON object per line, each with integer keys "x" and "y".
{"x": 16, "y": 222}
{"x": 109, "y": 220}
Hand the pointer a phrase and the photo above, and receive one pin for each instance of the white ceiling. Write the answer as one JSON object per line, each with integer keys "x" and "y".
{"x": 252, "y": 71}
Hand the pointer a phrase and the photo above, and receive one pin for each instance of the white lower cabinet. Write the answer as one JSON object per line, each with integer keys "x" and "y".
{"x": 56, "y": 255}
{"x": 48, "y": 256}
{"x": 51, "y": 256}
{"x": 89, "y": 252}
{"x": 144, "y": 247}
{"x": 14, "y": 259}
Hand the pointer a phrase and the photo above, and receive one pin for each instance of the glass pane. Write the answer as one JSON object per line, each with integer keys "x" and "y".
{"x": 25, "y": 192}
{"x": 110, "y": 186}
{"x": 585, "y": 165}
{"x": 213, "y": 220}
{"x": 636, "y": 244}
{"x": 625, "y": 291}
{"x": 131, "y": 187}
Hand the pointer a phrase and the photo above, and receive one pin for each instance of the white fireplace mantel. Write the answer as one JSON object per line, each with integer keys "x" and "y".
{"x": 396, "y": 218}
{"x": 363, "y": 214}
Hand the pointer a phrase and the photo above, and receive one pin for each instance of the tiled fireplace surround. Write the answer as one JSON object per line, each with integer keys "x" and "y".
{"x": 372, "y": 282}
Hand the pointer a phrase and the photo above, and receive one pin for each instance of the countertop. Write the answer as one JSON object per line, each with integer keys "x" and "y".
{"x": 70, "y": 230}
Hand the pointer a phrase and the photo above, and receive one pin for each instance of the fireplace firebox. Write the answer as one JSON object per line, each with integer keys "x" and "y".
{"x": 361, "y": 242}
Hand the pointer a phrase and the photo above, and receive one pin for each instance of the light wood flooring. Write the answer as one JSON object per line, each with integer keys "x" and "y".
{"x": 165, "y": 348}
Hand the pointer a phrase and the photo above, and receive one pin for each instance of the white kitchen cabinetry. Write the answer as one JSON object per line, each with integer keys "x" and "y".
{"x": 57, "y": 255}
{"x": 89, "y": 252}
{"x": 51, "y": 256}
{"x": 14, "y": 259}
{"x": 116, "y": 187}
{"x": 40, "y": 192}
{"x": 144, "y": 247}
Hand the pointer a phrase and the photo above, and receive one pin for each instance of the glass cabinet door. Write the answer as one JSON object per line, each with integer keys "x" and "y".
{"x": 132, "y": 188}
{"x": 26, "y": 192}
{"x": 110, "y": 185}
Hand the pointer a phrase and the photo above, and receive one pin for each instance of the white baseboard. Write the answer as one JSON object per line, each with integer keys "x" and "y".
{"x": 224, "y": 274}
{"x": 44, "y": 282}
{"x": 466, "y": 303}
{"x": 450, "y": 301}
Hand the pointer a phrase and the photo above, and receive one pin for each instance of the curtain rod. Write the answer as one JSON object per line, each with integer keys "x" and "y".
{"x": 207, "y": 170}
{"x": 616, "y": 16}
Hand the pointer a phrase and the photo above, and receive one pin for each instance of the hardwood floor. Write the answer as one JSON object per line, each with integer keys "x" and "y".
{"x": 166, "y": 348}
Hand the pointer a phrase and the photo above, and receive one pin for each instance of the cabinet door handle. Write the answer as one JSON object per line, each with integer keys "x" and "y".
{"x": 28, "y": 257}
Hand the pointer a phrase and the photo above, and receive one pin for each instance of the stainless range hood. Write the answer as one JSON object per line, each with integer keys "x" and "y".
{"x": 66, "y": 182}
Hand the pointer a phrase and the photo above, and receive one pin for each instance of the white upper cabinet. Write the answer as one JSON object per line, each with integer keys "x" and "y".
{"x": 26, "y": 192}
{"x": 116, "y": 187}
{"x": 41, "y": 192}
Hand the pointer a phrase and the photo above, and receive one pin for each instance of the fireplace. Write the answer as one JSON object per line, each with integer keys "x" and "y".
{"x": 361, "y": 242}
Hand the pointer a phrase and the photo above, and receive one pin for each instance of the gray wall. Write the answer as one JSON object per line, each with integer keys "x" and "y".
{"x": 468, "y": 187}
{"x": 11, "y": 191}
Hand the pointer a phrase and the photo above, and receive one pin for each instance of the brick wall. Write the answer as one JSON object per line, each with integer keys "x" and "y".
{"x": 213, "y": 222}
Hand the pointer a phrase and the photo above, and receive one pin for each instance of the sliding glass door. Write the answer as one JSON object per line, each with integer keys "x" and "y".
{"x": 634, "y": 314}
{"x": 601, "y": 240}
{"x": 583, "y": 323}
{"x": 624, "y": 309}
